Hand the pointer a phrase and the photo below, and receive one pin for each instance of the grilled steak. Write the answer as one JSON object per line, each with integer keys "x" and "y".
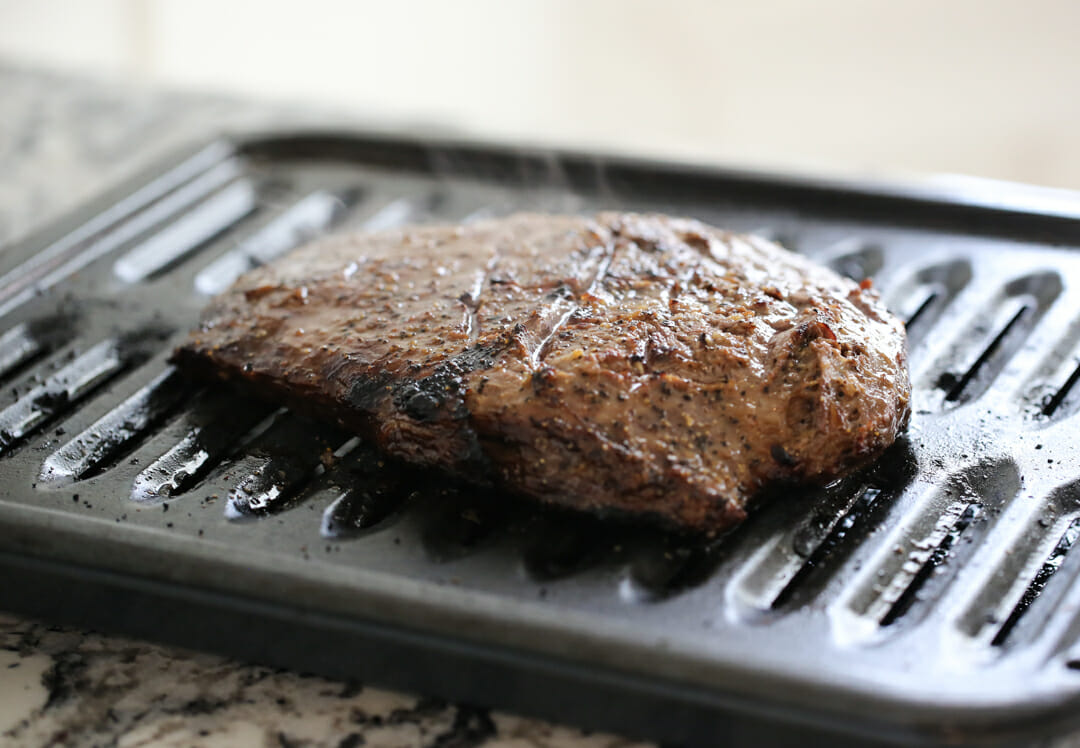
{"x": 637, "y": 363}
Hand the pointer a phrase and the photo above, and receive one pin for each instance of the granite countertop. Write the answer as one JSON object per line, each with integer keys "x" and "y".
{"x": 61, "y": 141}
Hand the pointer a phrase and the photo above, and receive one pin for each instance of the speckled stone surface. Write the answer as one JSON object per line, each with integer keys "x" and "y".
{"x": 65, "y": 687}
{"x": 62, "y": 141}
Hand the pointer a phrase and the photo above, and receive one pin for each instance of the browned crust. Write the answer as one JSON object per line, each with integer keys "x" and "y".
{"x": 649, "y": 365}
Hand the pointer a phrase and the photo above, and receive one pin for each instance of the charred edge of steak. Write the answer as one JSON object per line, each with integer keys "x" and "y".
{"x": 439, "y": 395}
{"x": 435, "y": 397}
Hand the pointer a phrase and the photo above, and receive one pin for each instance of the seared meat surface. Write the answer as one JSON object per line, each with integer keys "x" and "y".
{"x": 637, "y": 363}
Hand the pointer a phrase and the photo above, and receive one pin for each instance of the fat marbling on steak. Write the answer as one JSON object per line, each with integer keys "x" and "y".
{"x": 648, "y": 365}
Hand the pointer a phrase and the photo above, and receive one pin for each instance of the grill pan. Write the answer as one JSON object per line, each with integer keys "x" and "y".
{"x": 931, "y": 598}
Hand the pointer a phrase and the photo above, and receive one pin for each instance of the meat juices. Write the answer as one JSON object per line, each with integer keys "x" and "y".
{"x": 639, "y": 364}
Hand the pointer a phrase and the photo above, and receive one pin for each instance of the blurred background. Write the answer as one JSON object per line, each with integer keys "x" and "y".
{"x": 983, "y": 87}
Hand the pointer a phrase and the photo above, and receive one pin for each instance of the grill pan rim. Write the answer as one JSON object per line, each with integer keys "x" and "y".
{"x": 895, "y": 721}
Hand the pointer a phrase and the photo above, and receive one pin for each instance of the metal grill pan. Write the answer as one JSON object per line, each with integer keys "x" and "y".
{"x": 931, "y": 598}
